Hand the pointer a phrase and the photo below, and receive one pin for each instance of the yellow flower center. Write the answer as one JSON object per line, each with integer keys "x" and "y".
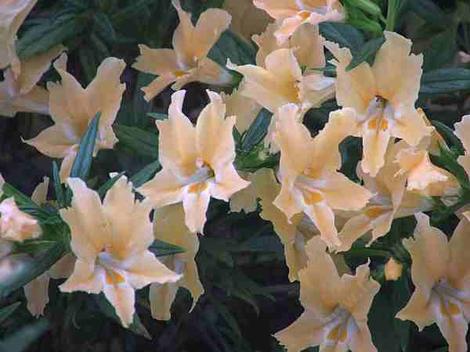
{"x": 450, "y": 298}
{"x": 197, "y": 182}
{"x": 337, "y": 326}
{"x": 312, "y": 197}
{"x": 374, "y": 212}
{"x": 376, "y": 115}
{"x": 112, "y": 268}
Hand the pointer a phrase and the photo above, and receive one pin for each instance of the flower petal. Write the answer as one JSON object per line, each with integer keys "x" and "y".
{"x": 122, "y": 297}
{"x": 161, "y": 297}
{"x": 86, "y": 277}
{"x": 195, "y": 207}
{"x": 163, "y": 189}
{"x": 459, "y": 268}
{"x": 37, "y": 294}
{"x": 156, "y": 61}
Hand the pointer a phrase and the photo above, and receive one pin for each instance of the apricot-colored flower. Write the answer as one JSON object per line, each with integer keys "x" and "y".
{"x": 295, "y": 234}
{"x": 391, "y": 200}
{"x": 335, "y": 308}
{"x": 16, "y": 225}
{"x": 37, "y": 291}
{"x": 245, "y": 109}
{"x": 393, "y": 270}
{"x": 381, "y": 97}
{"x": 110, "y": 241}
{"x": 462, "y": 130}
{"x": 280, "y": 81}
{"x": 12, "y": 15}
{"x": 73, "y": 107}
{"x": 246, "y": 18}
{"x": 170, "y": 228}
{"x": 309, "y": 178}
{"x": 294, "y": 13}
{"x": 19, "y": 92}
{"x": 197, "y": 160}
{"x": 187, "y": 61}
{"x": 440, "y": 271}
{"x": 244, "y": 199}
{"x": 307, "y": 43}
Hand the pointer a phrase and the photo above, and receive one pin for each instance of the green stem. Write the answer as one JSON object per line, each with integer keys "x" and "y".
{"x": 392, "y": 9}
{"x": 369, "y": 252}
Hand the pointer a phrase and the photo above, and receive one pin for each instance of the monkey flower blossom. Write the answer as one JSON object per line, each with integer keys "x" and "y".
{"x": 16, "y": 225}
{"x": 440, "y": 271}
{"x": 335, "y": 308}
{"x": 187, "y": 61}
{"x": 294, "y": 13}
{"x": 382, "y": 97}
{"x": 309, "y": 177}
{"x": 72, "y": 108}
{"x": 19, "y": 91}
{"x": 280, "y": 81}
{"x": 12, "y": 15}
{"x": 110, "y": 241}
{"x": 197, "y": 160}
{"x": 170, "y": 228}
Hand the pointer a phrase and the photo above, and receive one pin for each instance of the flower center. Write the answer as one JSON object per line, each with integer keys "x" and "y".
{"x": 450, "y": 299}
{"x": 377, "y": 112}
{"x": 337, "y": 326}
{"x": 197, "y": 182}
{"x": 113, "y": 268}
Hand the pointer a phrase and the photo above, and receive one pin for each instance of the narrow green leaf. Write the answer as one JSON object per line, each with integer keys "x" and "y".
{"x": 157, "y": 116}
{"x": 145, "y": 174}
{"x": 108, "y": 184}
{"x": 343, "y": 34}
{"x": 445, "y": 80}
{"x": 26, "y": 204}
{"x": 257, "y": 130}
{"x": 7, "y": 311}
{"x": 231, "y": 46}
{"x": 58, "y": 188}
{"x": 449, "y": 135}
{"x": 162, "y": 249}
{"x": 82, "y": 164}
{"x": 21, "y": 339}
{"x": 368, "y": 51}
{"x": 430, "y": 12}
{"x": 138, "y": 140}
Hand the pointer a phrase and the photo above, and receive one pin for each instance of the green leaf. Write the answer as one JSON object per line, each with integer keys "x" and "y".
{"x": 367, "y": 52}
{"x": 157, "y": 116}
{"x": 58, "y": 188}
{"x": 430, "y": 12}
{"x": 21, "y": 339}
{"x": 26, "y": 204}
{"x": 162, "y": 249}
{"x": 82, "y": 163}
{"x": 449, "y": 135}
{"x": 108, "y": 184}
{"x": 231, "y": 46}
{"x": 138, "y": 140}
{"x": 145, "y": 174}
{"x": 445, "y": 80}
{"x": 31, "y": 269}
{"x": 343, "y": 34}
{"x": 137, "y": 327}
{"x": 7, "y": 311}
{"x": 40, "y": 38}
{"x": 257, "y": 130}
{"x": 442, "y": 50}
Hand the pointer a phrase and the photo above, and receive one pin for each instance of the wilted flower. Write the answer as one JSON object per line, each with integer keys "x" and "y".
{"x": 440, "y": 271}
{"x": 72, "y": 108}
{"x": 170, "y": 228}
{"x": 110, "y": 241}
{"x": 294, "y": 13}
{"x": 462, "y": 130}
{"x": 280, "y": 81}
{"x": 309, "y": 177}
{"x": 197, "y": 160}
{"x": 12, "y": 15}
{"x": 187, "y": 61}
{"x": 19, "y": 92}
{"x": 381, "y": 97}
{"x": 336, "y": 308}
{"x": 246, "y": 18}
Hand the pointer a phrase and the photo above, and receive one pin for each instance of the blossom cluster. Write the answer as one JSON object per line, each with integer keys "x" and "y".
{"x": 316, "y": 210}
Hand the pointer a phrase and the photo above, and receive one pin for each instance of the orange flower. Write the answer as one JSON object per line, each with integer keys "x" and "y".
{"x": 170, "y": 228}
{"x": 110, "y": 241}
{"x": 335, "y": 308}
{"x": 12, "y": 15}
{"x": 187, "y": 61}
{"x": 294, "y": 13}
{"x": 381, "y": 97}
{"x": 393, "y": 270}
{"x": 441, "y": 274}
{"x": 18, "y": 90}
{"x": 197, "y": 160}
{"x": 309, "y": 178}
{"x": 73, "y": 107}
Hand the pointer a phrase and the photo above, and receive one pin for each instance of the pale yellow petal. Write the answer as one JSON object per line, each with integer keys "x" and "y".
{"x": 361, "y": 339}
{"x": 55, "y": 141}
{"x": 245, "y": 109}
{"x": 227, "y": 182}
{"x": 354, "y": 88}
{"x": 183, "y": 37}
{"x": 309, "y": 46}
{"x": 67, "y": 163}
{"x": 454, "y": 329}
{"x": 397, "y": 72}
{"x": 278, "y": 8}
{"x": 128, "y": 219}
{"x": 210, "y": 25}
{"x": 244, "y": 199}
{"x": 144, "y": 268}
{"x": 157, "y": 86}
{"x": 418, "y": 308}
{"x": 393, "y": 270}
{"x": 195, "y": 207}
{"x": 156, "y": 61}
{"x": 161, "y": 297}
{"x": 352, "y": 230}
{"x": 86, "y": 277}
{"x": 90, "y": 231}
{"x": 375, "y": 143}
{"x": 462, "y": 130}
{"x": 16, "y": 225}
{"x": 34, "y": 101}
{"x": 305, "y": 332}
{"x": 39, "y": 195}
{"x": 410, "y": 126}
{"x": 209, "y": 72}
{"x": 459, "y": 265}
{"x": 163, "y": 189}
{"x": 287, "y": 203}
{"x": 122, "y": 298}
{"x": 37, "y": 294}
{"x": 246, "y": 18}
{"x": 63, "y": 268}
{"x": 177, "y": 140}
